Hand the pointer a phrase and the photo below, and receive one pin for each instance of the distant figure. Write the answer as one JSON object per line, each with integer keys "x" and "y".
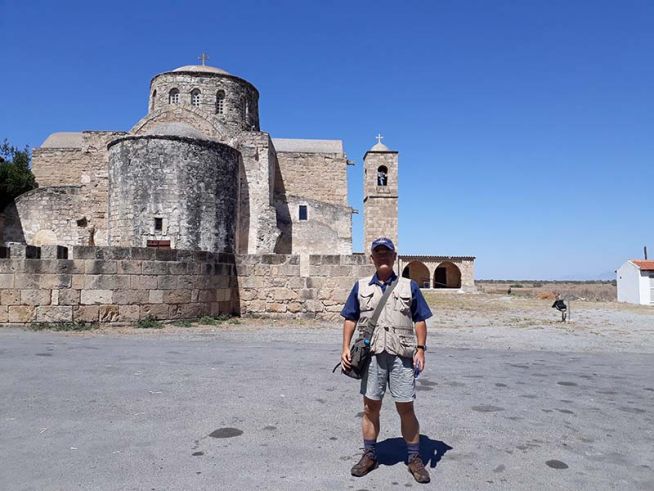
{"x": 508, "y": 292}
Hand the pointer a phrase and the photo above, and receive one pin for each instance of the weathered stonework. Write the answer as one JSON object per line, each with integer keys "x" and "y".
{"x": 380, "y": 207}
{"x": 189, "y": 185}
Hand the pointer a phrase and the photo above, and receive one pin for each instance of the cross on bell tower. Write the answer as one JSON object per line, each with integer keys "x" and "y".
{"x": 203, "y": 58}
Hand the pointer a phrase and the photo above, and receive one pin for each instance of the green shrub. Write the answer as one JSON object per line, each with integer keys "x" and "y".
{"x": 149, "y": 322}
{"x": 64, "y": 326}
{"x": 184, "y": 323}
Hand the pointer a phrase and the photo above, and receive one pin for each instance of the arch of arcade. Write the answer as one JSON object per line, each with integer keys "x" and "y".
{"x": 439, "y": 272}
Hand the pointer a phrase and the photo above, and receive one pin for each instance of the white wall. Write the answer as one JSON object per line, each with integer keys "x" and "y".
{"x": 633, "y": 285}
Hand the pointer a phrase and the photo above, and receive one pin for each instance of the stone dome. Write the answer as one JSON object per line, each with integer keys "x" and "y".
{"x": 379, "y": 147}
{"x": 201, "y": 69}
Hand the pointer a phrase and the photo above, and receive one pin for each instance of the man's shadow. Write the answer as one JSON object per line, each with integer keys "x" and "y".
{"x": 393, "y": 451}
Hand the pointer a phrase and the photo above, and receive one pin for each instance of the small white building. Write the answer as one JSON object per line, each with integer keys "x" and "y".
{"x": 636, "y": 282}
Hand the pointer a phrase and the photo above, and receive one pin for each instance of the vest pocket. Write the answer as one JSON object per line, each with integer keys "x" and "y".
{"x": 365, "y": 302}
{"x": 407, "y": 345}
{"x": 403, "y": 304}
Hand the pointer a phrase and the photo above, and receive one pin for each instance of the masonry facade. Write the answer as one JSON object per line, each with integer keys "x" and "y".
{"x": 196, "y": 211}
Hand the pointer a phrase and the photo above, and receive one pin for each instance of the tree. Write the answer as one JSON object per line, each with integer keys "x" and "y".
{"x": 16, "y": 177}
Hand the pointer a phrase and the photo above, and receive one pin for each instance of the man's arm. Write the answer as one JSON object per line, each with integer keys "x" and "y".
{"x": 421, "y": 338}
{"x": 348, "y": 331}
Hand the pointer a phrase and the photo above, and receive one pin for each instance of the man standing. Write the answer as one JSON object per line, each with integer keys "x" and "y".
{"x": 398, "y": 353}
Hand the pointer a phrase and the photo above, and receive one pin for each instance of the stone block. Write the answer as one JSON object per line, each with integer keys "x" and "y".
{"x": 344, "y": 271}
{"x": 314, "y": 282}
{"x": 108, "y": 313}
{"x": 54, "y": 252}
{"x": 179, "y": 267}
{"x": 187, "y": 281}
{"x": 54, "y": 313}
{"x": 21, "y": 313}
{"x": 276, "y": 307}
{"x": 77, "y": 281}
{"x": 177, "y": 296}
{"x": 143, "y": 282}
{"x": 35, "y": 297}
{"x": 6, "y": 280}
{"x": 194, "y": 310}
{"x": 155, "y": 296}
{"x": 84, "y": 252}
{"x": 295, "y": 307}
{"x": 95, "y": 297}
{"x": 282, "y": 294}
{"x": 155, "y": 267}
{"x": 313, "y": 306}
{"x": 4, "y": 313}
{"x": 113, "y": 253}
{"x": 101, "y": 267}
{"x": 166, "y": 282}
{"x": 158, "y": 311}
{"x": 255, "y": 306}
{"x": 129, "y": 313}
{"x": 262, "y": 270}
{"x": 223, "y": 294}
{"x": 107, "y": 282}
{"x": 69, "y": 296}
{"x": 142, "y": 253}
{"x": 12, "y": 265}
{"x": 130, "y": 297}
{"x": 24, "y": 280}
{"x": 55, "y": 281}
{"x": 9, "y": 297}
{"x": 166, "y": 254}
{"x": 85, "y": 313}
{"x": 128, "y": 266}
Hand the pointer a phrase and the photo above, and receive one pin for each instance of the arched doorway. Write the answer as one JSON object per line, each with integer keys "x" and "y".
{"x": 447, "y": 275}
{"x": 418, "y": 272}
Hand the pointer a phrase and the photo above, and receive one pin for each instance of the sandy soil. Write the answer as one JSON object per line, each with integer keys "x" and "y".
{"x": 471, "y": 321}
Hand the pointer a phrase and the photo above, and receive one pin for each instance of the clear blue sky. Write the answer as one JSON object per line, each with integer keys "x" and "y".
{"x": 525, "y": 128}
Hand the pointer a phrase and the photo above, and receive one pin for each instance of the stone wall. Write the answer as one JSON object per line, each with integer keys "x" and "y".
{"x": 317, "y": 176}
{"x": 111, "y": 284}
{"x": 45, "y": 216}
{"x": 190, "y": 185}
{"x": 85, "y": 166}
{"x": 125, "y": 284}
{"x": 278, "y": 285}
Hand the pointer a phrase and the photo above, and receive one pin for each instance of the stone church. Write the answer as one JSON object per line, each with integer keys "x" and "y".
{"x": 198, "y": 173}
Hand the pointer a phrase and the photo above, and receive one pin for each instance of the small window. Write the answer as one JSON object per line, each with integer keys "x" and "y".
{"x": 173, "y": 96}
{"x": 220, "y": 102}
{"x": 158, "y": 224}
{"x": 244, "y": 108}
{"x": 195, "y": 97}
{"x": 154, "y": 98}
{"x": 303, "y": 212}
{"x": 382, "y": 176}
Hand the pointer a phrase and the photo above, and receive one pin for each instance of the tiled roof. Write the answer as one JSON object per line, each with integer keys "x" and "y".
{"x": 643, "y": 264}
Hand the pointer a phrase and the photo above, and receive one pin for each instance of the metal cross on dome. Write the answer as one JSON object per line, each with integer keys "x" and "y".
{"x": 379, "y": 137}
{"x": 203, "y": 58}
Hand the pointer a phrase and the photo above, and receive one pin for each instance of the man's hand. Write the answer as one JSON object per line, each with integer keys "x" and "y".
{"x": 419, "y": 360}
{"x": 346, "y": 359}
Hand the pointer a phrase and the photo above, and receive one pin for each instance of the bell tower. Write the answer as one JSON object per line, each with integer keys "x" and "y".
{"x": 379, "y": 194}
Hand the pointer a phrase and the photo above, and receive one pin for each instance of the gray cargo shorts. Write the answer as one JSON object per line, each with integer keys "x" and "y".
{"x": 392, "y": 370}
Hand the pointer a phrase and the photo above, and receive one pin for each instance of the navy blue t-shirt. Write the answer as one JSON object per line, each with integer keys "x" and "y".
{"x": 419, "y": 309}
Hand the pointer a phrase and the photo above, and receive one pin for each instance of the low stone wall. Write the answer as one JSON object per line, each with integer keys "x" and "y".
{"x": 279, "y": 285}
{"x": 126, "y": 284}
{"x": 113, "y": 284}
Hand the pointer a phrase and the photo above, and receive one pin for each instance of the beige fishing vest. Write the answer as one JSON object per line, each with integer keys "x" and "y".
{"x": 395, "y": 333}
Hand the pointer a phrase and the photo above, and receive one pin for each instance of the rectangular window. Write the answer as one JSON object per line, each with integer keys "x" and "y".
{"x": 303, "y": 212}
{"x": 158, "y": 224}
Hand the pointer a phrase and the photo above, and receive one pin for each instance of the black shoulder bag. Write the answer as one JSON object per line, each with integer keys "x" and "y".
{"x": 360, "y": 349}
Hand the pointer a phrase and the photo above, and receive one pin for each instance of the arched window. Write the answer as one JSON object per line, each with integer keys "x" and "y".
{"x": 154, "y": 98}
{"x": 195, "y": 97}
{"x": 382, "y": 176}
{"x": 220, "y": 102}
{"x": 173, "y": 96}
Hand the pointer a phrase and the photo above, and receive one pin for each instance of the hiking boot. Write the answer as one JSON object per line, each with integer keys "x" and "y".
{"x": 417, "y": 468}
{"x": 367, "y": 463}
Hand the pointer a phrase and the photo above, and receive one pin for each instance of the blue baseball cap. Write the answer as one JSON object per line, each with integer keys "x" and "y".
{"x": 382, "y": 241}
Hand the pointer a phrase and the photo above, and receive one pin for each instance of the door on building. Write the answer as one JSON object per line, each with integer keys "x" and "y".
{"x": 440, "y": 278}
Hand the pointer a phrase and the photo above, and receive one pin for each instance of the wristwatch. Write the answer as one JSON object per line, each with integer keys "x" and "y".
{"x": 423, "y": 347}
